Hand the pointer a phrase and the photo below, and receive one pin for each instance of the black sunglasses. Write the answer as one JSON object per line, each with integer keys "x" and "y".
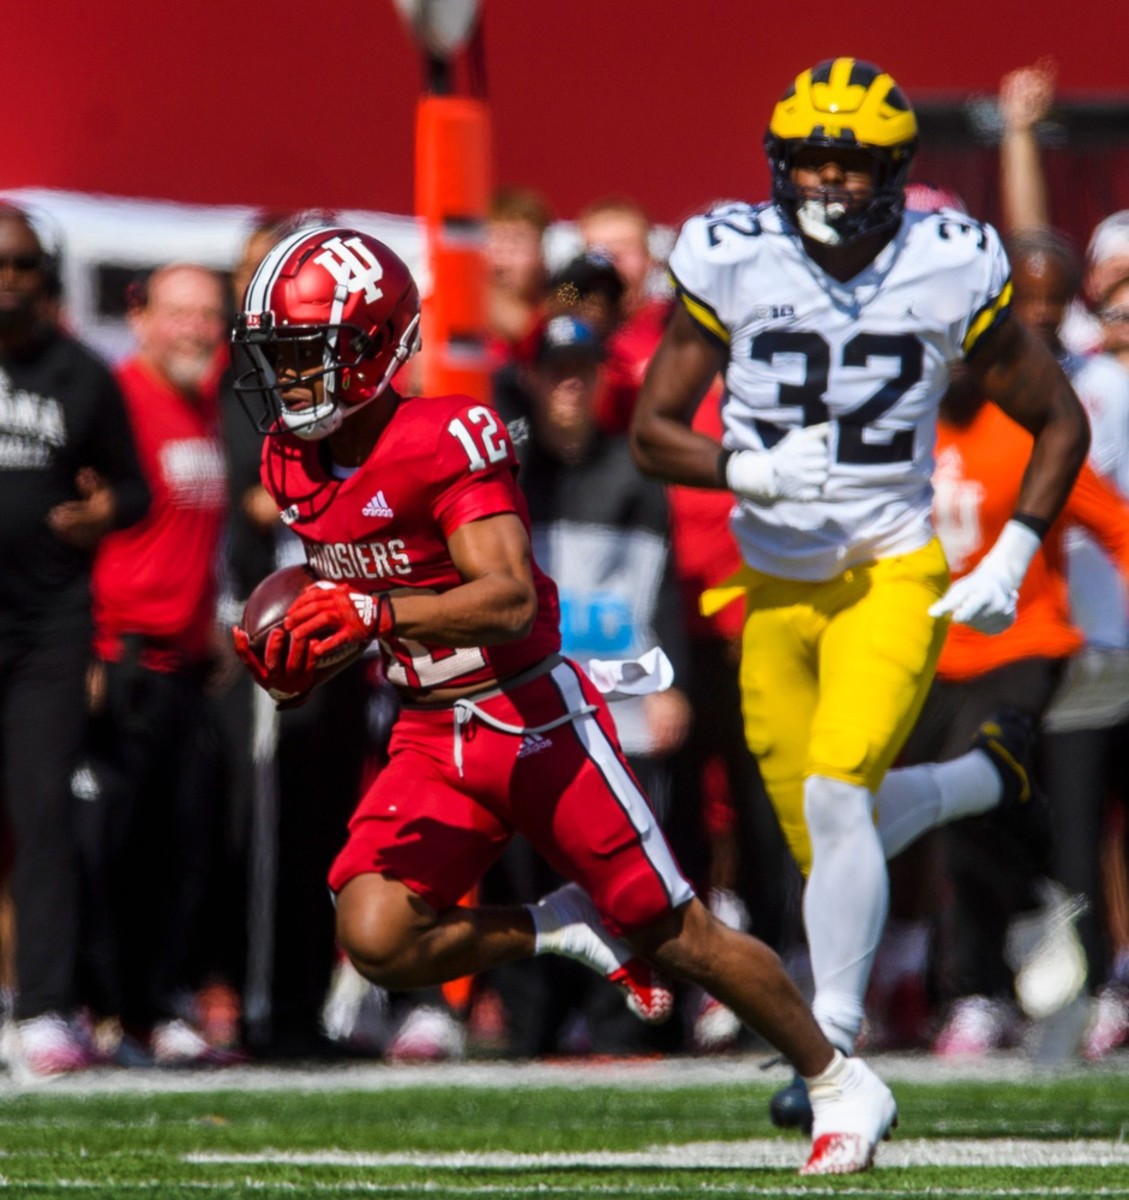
{"x": 21, "y": 262}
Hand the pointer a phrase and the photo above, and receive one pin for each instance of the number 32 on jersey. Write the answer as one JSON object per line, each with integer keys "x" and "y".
{"x": 856, "y": 443}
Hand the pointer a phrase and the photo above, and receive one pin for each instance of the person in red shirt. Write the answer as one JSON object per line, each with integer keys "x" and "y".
{"x": 618, "y": 228}
{"x": 411, "y": 515}
{"x": 515, "y": 258}
{"x": 154, "y": 589}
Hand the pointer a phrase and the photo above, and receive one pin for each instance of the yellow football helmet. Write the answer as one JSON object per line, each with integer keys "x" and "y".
{"x": 845, "y": 103}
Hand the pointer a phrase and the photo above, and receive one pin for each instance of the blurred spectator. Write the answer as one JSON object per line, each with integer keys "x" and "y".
{"x": 68, "y": 475}
{"x": 994, "y": 863}
{"x": 618, "y": 228}
{"x": 156, "y": 636}
{"x": 1107, "y": 265}
{"x": 515, "y": 232}
{"x": 1047, "y": 276}
{"x": 1026, "y": 97}
{"x": 1097, "y": 596}
{"x": 589, "y": 288}
{"x": 599, "y": 528}
{"x": 1113, "y": 313}
{"x": 980, "y": 457}
{"x": 1089, "y": 722}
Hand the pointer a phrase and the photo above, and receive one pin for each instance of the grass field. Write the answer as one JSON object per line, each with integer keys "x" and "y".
{"x": 610, "y": 1130}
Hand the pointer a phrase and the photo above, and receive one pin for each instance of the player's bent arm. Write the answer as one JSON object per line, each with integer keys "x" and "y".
{"x": 681, "y": 371}
{"x": 496, "y": 603}
{"x": 1017, "y": 371}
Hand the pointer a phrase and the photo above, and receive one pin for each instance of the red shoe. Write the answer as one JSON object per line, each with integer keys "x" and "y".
{"x": 852, "y": 1112}
{"x": 648, "y": 997}
{"x": 568, "y": 923}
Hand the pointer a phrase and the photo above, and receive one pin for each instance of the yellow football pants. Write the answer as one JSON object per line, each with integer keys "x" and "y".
{"x": 834, "y": 674}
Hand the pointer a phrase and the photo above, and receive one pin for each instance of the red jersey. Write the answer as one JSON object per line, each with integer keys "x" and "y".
{"x": 157, "y": 578}
{"x": 980, "y": 467}
{"x": 440, "y": 463}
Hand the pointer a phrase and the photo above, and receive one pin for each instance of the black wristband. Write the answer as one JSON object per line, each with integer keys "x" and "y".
{"x": 722, "y": 464}
{"x": 1037, "y": 525}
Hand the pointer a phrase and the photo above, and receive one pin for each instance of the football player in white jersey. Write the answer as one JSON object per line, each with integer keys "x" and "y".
{"x": 836, "y": 317}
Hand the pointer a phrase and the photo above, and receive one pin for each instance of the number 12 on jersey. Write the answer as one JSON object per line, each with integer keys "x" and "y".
{"x": 484, "y": 443}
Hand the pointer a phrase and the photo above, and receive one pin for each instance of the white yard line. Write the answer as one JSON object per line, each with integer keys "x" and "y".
{"x": 760, "y": 1152}
{"x": 669, "y": 1073}
{"x": 431, "y": 1188}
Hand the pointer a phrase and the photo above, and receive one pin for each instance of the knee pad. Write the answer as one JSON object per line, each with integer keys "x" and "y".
{"x": 833, "y": 808}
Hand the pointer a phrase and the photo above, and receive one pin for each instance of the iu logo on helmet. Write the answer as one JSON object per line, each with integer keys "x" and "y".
{"x": 353, "y": 264}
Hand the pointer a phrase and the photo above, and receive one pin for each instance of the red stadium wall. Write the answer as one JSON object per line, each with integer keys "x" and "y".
{"x": 299, "y": 103}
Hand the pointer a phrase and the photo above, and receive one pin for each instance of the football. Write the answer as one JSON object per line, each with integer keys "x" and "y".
{"x": 266, "y": 609}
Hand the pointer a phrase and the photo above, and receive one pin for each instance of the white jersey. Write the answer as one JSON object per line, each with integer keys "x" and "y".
{"x": 871, "y": 356}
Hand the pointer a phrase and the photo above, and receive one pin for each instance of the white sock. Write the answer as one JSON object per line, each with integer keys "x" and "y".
{"x": 844, "y": 902}
{"x": 831, "y": 1074}
{"x": 566, "y": 922}
{"x": 912, "y": 800}
{"x": 729, "y": 908}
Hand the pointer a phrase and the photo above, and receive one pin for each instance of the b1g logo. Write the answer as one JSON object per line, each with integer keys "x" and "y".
{"x": 354, "y": 265}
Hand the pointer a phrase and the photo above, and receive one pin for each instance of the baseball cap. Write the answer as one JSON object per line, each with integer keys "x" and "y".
{"x": 564, "y": 338}
{"x": 587, "y": 273}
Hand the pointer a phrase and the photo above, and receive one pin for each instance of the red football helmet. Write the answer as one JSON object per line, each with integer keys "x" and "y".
{"x": 327, "y": 304}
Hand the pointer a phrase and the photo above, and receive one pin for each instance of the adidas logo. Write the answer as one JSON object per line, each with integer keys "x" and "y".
{"x": 533, "y": 743}
{"x": 377, "y": 506}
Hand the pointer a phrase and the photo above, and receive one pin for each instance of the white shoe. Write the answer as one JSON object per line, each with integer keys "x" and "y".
{"x": 1046, "y": 953}
{"x": 1109, "y": 1022}
{"x": 43, "y": 1047}
{"x": 428, "y": 1034}
{"x": 568, "y": 923}
{"x": 355, "y": 1011}
{"x": 716, "y": 1028}
{"x": 976, "y": 1026}
{"x": 176, "y": 1044}
{"x": 852, "y": 1111}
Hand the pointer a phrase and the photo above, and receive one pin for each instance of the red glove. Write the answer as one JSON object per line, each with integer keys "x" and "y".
{"x": 332, "y": 616}
{"x": 285, "y": 676}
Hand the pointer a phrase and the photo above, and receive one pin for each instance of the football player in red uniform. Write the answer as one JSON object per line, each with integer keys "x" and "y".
{"x": 411, "y": 516}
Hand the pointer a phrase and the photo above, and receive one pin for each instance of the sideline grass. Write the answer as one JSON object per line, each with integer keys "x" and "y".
{"x": 179, "y": 1145}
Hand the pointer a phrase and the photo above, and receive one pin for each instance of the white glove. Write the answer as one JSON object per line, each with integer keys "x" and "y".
{"x": 796, "y": 468}
{"x": 985, "y": 598}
